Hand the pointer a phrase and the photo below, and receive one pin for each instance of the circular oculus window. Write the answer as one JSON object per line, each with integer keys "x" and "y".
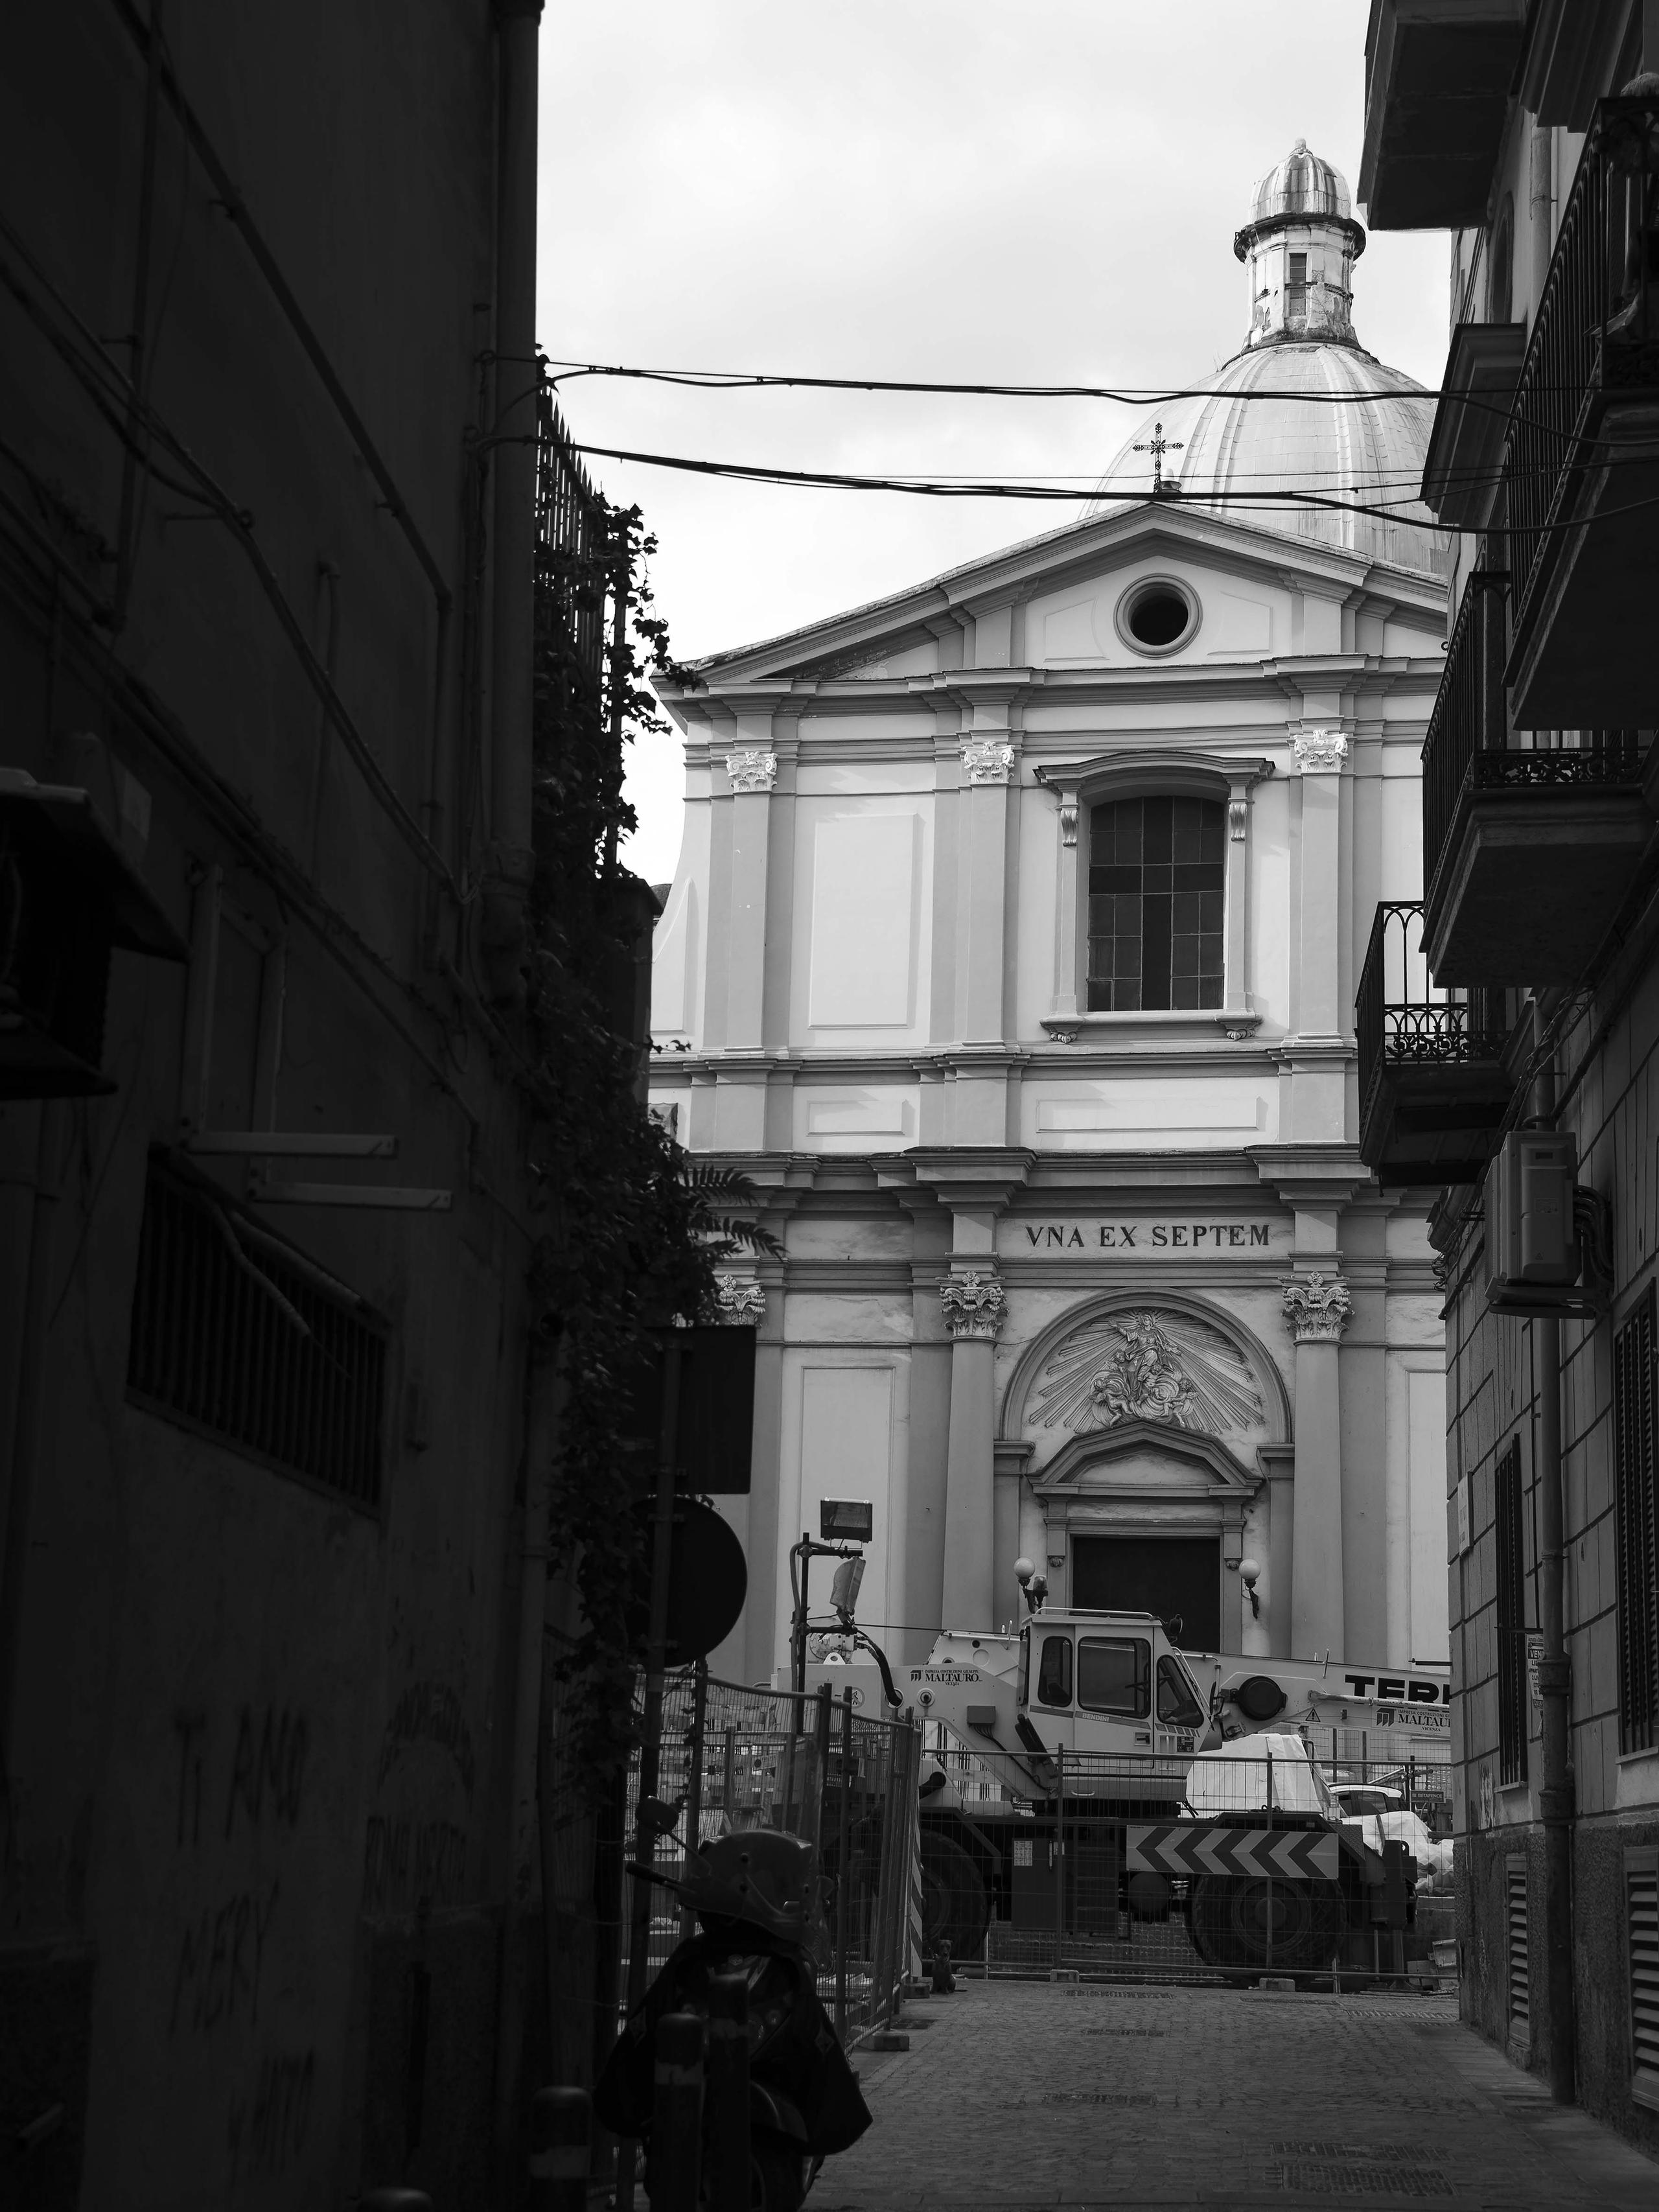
{"x": 1157, "y": 615}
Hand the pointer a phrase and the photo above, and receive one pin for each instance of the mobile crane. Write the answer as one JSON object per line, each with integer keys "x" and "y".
{"x": 1099, "y": 1736}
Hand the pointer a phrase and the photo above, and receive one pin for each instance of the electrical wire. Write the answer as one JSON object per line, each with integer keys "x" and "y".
{"x": 956, "y": 488}
{"x": 114, "y": 396}
{"x": 710, "y": 380}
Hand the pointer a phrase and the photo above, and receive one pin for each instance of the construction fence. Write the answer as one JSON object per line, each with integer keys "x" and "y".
{"x": 732, "y": 1758}
{"x": 1077, "y": 1863}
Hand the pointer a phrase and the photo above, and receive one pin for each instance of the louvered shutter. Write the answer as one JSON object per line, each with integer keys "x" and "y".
{"x": 1515, "y": 1934}
{"x": 1511, "y": 1616}
{"x": 1637, "y": 1523}
{"x": 1642, "y": 1932}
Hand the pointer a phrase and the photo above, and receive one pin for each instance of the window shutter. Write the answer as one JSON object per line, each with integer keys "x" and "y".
{"x": 237, "y": 1336}
{"x": 1642, "y": 1932}
{"x": 1635, "y": 1523}
{"x": 1511, "y": 1617}
{"x": 1514, "y": 1900}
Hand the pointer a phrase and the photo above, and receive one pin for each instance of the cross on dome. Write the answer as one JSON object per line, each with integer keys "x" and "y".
{"x": 1158, "y": 445}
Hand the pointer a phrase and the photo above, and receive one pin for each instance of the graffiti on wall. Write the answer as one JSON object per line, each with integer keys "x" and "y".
{"x": 415, "y": 1843}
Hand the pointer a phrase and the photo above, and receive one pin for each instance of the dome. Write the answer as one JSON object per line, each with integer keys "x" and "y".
{"x": 1303, "y": 184}
{"x": 1302, "y": 408}
{"x": 1326, "y": 419}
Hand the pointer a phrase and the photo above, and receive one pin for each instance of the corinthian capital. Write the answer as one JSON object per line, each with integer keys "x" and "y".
{"x": 752, "y": 771}
{"x": 974, "y": 1305}
{"x": 1317, "y": 1308}
{"x": 740, "y": 1301}
{"x": 988, "y": 760}
{"x": 1319, "y": 752}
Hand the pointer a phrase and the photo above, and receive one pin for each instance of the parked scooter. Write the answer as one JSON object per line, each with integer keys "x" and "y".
{"x": 752, "y": 1893}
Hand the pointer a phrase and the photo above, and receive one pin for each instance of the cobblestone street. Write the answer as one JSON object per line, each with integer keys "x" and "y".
{"x": 1029, "y": 2094}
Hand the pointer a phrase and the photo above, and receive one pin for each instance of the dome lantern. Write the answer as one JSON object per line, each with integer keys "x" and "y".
{"x": 1302, "y": 433}
{"x": 1300, "y": 245}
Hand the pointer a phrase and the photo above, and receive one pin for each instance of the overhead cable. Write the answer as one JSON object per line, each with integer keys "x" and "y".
{"x": 958, "y": 488}
{"x": 701, "y": 380}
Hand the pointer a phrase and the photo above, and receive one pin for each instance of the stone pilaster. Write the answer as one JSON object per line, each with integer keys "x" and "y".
{"x": 974, "y": 1306}
{"x": 1316, "y": 1309}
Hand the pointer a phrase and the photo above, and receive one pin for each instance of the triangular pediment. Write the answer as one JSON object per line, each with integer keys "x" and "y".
{"x": 1151, "y": 1458}
{"x": 1057, "y": 580}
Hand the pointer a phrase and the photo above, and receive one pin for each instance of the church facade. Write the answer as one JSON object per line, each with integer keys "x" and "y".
{"x": 1012, "y": 954}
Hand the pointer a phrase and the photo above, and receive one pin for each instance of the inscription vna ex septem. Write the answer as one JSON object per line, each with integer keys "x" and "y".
{"x": 1191, "y": 1236}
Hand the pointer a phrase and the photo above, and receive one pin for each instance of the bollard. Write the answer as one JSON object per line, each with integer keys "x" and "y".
{"x": 561, "y": 2139}
{"x": 727, "y": 2133}
{"x": 677, "y": 2119}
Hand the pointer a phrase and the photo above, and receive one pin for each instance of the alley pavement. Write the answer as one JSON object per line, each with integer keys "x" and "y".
{"x": 1075, "y": 2095}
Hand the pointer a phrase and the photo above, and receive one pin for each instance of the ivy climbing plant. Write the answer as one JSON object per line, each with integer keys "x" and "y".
{"x": 631, "y": 1232}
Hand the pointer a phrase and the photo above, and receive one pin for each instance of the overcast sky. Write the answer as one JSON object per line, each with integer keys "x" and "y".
{"x": 999, "y": 191}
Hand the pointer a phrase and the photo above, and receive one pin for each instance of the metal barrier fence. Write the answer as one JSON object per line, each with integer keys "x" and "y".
{"x": 1080, "y": 1863}
{"x": 734, "y": 1758}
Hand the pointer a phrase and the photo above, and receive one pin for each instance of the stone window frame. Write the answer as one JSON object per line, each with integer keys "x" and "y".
{"x": 1078, "y": 785}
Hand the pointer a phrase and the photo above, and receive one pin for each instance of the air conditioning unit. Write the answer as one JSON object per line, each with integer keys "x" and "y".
{"x": 70, "y": 896}
{"x": 1535, "y": 1256}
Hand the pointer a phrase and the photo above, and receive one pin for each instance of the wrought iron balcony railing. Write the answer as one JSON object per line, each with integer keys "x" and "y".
{"x": 1428, "y": 1058}
{"x": 1469, "y": 747}
{"x": 1595, "y": 335}
{"x": 1469, "y": 715}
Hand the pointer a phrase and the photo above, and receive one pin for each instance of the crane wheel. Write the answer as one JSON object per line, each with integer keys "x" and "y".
{"x": 1247, "y": 1921}
{"x": 955, "y": 1906}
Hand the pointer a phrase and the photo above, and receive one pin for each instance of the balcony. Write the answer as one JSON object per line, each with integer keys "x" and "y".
{"x": 1437, "y": 78}
{"x": 1528, "y": 849}
{"x": 1581, "y": 466}
{"x": 1432, "y": 1088}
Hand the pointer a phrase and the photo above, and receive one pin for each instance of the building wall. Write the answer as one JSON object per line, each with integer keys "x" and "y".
{"x": 864, "y": 969}
{"x": 255, "y": 1762}
{"x": 1604, "y": 1064}
{"x": 1491, "y": 1399}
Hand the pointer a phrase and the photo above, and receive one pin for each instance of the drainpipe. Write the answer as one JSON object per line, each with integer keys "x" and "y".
{"x": 1555, "y": 1794}
{"x": 544, "y": 1394}
{"x": 17, "y": 1502}
{"x": 511, "y": 864}
{"x": 1540, "y": 207}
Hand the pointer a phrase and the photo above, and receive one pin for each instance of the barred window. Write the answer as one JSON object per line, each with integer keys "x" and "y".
{"x": 1156, "y": 871}
{"x": 1635, "y": 1521}
{"x": 240, "y": 1337}
{"x": 1511, "y": 1617}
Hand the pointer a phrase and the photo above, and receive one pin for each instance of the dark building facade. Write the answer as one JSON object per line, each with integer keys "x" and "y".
{"x": 1508, "y": 1026}
{"x": 274, "y": 1541}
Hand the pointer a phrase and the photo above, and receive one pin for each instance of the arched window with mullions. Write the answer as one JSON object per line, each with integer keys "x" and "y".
{"x": 1157, "y": 920}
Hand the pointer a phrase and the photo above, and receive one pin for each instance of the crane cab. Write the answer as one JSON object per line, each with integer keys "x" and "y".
{"x": 1099, "y": 1682}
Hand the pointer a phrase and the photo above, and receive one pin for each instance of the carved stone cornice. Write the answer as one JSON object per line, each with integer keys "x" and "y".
{"x": 1318, "y": 1308}
{"x": 974, "y": 1306}
{"x": 1211, "y": 776}
{"x": 752, "y": 770}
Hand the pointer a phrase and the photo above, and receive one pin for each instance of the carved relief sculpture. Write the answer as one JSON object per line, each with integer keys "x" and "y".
{"x": 988, "y": 760}
{"x": 1317, "y": 1307}
{"x": 742, "y": 1303}
{"x": 1319, "y": 752}
{"x": 1147, "y": 1365}
{"x": 974, "y": 1305}
{"x": 752, "y": 771}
